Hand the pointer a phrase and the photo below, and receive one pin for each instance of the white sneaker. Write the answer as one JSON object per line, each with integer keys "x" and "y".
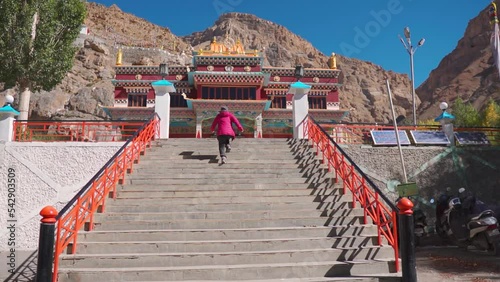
{"x": 228, "y": 148}
{"x": 224, "y": 160}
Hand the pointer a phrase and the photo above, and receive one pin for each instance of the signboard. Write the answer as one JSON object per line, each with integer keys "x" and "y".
{"x": 388, "y": 137}
{"x": 407, "y": 189}
{"x": 429, "y": 137}
{"x": 472, "y": 138}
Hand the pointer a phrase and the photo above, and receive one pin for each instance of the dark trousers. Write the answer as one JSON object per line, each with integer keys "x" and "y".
{"x": 223, "y": 141}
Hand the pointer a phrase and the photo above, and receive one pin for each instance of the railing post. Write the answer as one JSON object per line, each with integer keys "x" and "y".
{"x": 407, "y": 240}
{"x": 46, "y": 244}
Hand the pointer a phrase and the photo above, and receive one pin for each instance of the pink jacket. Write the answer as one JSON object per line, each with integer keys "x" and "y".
{"x": 223, "y": 121}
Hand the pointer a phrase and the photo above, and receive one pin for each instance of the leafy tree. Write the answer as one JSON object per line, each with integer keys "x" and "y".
{"x": 36, "y": 44}
{"x": 490, "y": 117}
{"x": 465, "y": 114}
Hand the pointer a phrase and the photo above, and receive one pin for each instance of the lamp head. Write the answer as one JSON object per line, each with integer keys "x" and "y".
{"x": 163, "y": 70}
{"x": 421, "y": 42}
{"x": 407, "y": 32}
{"x": 9, "y": 100}
{"x": 443, "y": 106}
{"x": 299, "y": 72}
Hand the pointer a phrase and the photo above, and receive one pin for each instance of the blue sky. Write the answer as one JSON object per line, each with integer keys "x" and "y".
{"x": 364, "y": 29}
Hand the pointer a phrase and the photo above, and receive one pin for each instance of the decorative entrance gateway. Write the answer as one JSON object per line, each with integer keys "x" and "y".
{"x": 224, "y": 74}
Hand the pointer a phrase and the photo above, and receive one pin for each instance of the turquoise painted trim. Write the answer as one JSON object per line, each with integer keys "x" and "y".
{"x": 162, "y": 83}
{"x": 300, "y": 85}
{"x": 444, "y": 115}
{"x": 189, "y": 104}
{"x": 7, "y": 109}
{"x": 268, "y": 105}
{"x": 191, "y": 78}
{"x": 107, "y": 112}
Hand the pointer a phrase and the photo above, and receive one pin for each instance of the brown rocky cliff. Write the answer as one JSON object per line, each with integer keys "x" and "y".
{"x": 120, "y": 28}
{"x": 363, "y": 92}
{"x": 467, "y": 72}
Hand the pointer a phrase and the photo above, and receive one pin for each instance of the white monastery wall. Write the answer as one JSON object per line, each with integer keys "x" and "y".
{"x": 45, "y": 174}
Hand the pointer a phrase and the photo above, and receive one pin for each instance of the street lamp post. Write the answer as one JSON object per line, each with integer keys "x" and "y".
{"x": 411, "y": 51}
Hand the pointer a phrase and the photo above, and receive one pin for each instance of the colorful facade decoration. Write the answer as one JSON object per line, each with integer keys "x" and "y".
{"x": 226, "y": 74}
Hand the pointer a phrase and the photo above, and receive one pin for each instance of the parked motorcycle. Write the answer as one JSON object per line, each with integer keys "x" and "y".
{"x": 468, "y": 222}
{"x": 443, "y": 205}
{"x": 419, "y": 225}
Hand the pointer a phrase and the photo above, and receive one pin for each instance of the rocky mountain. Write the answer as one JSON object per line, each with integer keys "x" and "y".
{"x": 467, "y": 72}
{"x": 88, "y": 84}
{"x": 363, "y": 92}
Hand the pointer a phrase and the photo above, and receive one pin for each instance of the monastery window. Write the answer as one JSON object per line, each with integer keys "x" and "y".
{"x": 278, "y": 103}
{"x": 317, "y": 102}
{"x": 137, "y": 100}
{"x": 177, "y": 101}
{"x": 229, "y": 93}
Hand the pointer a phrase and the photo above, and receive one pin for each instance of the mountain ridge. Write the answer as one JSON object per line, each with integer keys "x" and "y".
{"x": 363, "y": 90}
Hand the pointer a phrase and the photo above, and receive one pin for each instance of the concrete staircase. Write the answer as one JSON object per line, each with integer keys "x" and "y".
{"x": 272, "y": 213}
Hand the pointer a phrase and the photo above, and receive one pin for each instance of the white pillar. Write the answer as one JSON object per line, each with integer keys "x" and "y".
{"x": 258, "y": 126}
{"x": 7, "y": 114}
{"x": 300, "y": 106}
{"x": 199, "y": 126}
{"x": 448, "y": 131}
{"x": 6, "y": 128}
{"x": 162, "y": 105}
{"x": 300, "y": 111}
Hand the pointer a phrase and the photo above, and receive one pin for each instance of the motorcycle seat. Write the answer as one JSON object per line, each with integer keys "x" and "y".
{"x": 486, "y": 213}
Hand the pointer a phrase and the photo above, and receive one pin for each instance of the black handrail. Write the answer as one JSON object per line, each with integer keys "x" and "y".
{"x": 384, "y": 197}
{"x": 101, "y": 171}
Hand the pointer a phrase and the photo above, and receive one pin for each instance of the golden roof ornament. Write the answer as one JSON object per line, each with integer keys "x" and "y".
{"x": 332, "y": 61}
{"x": 119, "y": 57}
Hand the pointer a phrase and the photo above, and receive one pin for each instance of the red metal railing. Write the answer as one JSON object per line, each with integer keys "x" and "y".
{"x": 360, "y": 133}
{"x": 377, "y": 207}
{"x": 81, "y": 209}
{"x": 90, "y": 131}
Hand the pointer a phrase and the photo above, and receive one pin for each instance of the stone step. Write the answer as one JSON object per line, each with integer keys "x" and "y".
{"x": 152, "y": 200}
{"x": 350, "y": 235}
{"x": 228, "y": 171}
{"x": 252, "y": 245}
{"x": 239, "y": 148}
{"x": 253, "y": 154}
{"x": 147, "y": 165}
{"x": 161, "y": 206}
{"x": 229, "y": 272}
{"x": 241, "y": 179}
{"x": 226, "y": 223}
{"x": 237, "y": 140}
{"x": 219, "y": 257}
{"x": 227, "y": 214}
{"x": 214, "y": 159}
{"x": 234, "y": 186}
{"x": 220, "y": 175}
{"x": 184, "y": 193}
